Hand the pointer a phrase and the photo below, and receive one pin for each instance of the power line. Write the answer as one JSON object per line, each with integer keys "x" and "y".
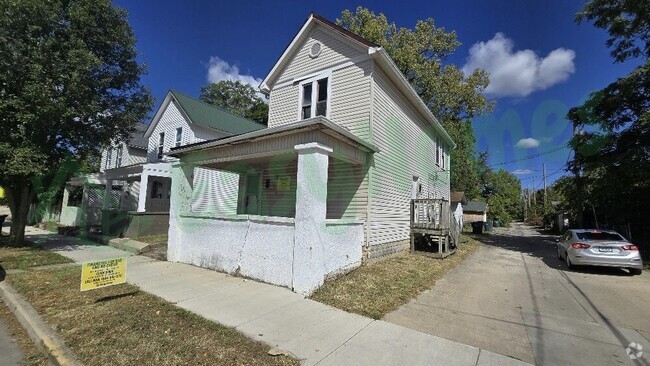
{"x": 537, "y": 155}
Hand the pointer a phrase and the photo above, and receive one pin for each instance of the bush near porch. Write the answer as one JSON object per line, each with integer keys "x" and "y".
{"x": 377, "y": 288}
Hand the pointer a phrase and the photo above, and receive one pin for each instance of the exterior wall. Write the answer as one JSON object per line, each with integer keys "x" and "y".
{"x": 408, "y": 147}
{"x": 169, "y": 121}
{"x": 469, "y": 217}
{"x": 130, "y": 156}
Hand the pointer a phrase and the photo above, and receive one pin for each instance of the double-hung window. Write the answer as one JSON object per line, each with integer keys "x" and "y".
{"x": 161, "y": 145}
{"x": 118, "y": 157}
{"x": 314, "y": 97}
{"x": 109, "y": 157}
{"x": 437, "y": 151}
{"x": 179, "y": 136}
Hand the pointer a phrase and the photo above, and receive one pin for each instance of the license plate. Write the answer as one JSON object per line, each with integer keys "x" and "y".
{"x": 606, "y": 250}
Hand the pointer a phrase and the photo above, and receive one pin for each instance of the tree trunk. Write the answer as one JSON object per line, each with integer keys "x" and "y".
{"x": 19, "y": 199}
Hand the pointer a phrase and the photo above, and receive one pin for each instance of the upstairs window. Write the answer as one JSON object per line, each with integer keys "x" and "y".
{"x": 109, "y": 157}
{"x": 161, "y": 145}
{"x": 179, "y": 136}
{"x": 437, "y": 151}
{"x": 118, "y": 157}
{"x": 314, "y": 98}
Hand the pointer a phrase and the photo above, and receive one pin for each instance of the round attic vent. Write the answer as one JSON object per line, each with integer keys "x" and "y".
{"x": 315, "y": 49}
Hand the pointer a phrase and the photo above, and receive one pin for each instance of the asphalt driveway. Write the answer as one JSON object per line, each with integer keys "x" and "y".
{"x": 516, "y": 298}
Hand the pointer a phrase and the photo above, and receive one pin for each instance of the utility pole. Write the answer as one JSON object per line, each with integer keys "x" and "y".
{"x": 544, "y": 175}
{"x": 534, "y": 192}
{"x": 578, "y": 183}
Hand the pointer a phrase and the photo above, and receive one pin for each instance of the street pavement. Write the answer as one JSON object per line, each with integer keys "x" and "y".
{"x": 10, "y": 353}
{"x": 516, "y": 298}
{"x": 313, "y": 332}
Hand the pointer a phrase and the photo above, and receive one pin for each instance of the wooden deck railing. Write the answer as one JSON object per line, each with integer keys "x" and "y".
{"x": 430, "y": 213}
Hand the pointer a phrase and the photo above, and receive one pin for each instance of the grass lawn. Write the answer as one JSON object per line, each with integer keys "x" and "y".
{"x": 121, "y": 325}
{"x": 26, "y": 256}
{"x": 378, "y": 288}
{"x": 153, "y": 239}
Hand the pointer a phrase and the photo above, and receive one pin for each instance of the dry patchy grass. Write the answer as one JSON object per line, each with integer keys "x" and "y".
{"x": 378, "y": 288}
{"x": 25, "y": 257}
{"x": 153, "y": 239}
{"x": 33, "y": 356}
{"x": 121, "y": 325}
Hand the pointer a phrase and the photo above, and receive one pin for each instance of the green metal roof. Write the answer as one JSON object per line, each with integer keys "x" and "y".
{"x": 212, "y": 117}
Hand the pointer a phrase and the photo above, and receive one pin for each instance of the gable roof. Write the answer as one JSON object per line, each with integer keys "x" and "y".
{"x": 137, "y": 139}
{"x": 475, "y": 206}
{"x": 376, "y": 52}
{"x": 205, "y": 115}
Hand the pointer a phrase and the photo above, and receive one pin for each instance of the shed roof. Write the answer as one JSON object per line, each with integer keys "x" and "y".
{"x": 459, "y": 197}
{"x": 475, "y": 206}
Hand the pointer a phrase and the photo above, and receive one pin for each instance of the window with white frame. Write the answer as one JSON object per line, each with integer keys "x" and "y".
{"x": 109, "y": 157}
{"x": 118, "y": 157}
{"x": 161, "y": 145}
{"x": 314, "y": 97}
{"x": 437, "y": 151}
{"x": 442, "y": 157}
{"x": 179, "y": 136}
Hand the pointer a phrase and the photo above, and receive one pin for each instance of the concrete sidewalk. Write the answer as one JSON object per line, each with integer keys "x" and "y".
{"x": 313, "y": 332}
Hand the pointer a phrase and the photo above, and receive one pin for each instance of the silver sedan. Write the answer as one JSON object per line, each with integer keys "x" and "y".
{"x": 586, "y": 247}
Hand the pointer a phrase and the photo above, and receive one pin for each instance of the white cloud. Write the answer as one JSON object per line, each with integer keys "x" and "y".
{"x": 522, "y": 171}
{"x": 219, "y": 70}
{"x": 528, "y": 143}
{"x": 518, "y": 73}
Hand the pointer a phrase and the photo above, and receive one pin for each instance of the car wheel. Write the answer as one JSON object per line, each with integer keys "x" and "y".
{"x": 635, "y": 271}
{"x": 569, "y": 265}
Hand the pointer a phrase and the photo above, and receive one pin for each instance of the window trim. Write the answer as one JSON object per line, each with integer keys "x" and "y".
{"x": 438, "y": 151}
{"x": 179, "y": 136}
{"x": 118, "y": 157}
{"x": 314, "y": 93}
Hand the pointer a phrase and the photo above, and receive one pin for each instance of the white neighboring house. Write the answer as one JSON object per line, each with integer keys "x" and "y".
{"x": 329, "y": 183}
{"x": 134, "y": 178}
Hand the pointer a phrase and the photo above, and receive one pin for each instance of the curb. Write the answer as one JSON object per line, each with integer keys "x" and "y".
{"x": 129, "y": 245}
{"x": 43, "y": 336}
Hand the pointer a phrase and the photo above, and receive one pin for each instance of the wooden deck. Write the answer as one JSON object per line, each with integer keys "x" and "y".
{"x": 431, "y": 228}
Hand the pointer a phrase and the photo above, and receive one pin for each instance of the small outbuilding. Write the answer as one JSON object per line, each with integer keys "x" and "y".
{"x": 475, "y": 211}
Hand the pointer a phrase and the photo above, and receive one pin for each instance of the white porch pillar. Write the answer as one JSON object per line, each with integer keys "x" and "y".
{"x": 142, "y": 194}
{"x": 311, "y": 211}
{"x": 66, "y": 196}
{"x": 180, "y": 202}
{"x": 108, "y": 188}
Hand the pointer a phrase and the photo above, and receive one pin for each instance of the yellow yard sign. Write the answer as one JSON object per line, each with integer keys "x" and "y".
{"x": 103, "y": 273}
{"x": 2, "y": 192}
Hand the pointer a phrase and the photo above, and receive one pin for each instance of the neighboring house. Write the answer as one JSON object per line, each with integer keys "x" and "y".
{"x": 136, "y": 180}
{"x": 475, "y": 211}
{"x": 349, "y": 143}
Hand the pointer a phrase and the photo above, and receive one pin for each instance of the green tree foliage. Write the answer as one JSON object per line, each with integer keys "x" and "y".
{"x": 502, "y": 192}
{"x": 453, "y": 97}
{"x": 612, "y": 159}
{"x": 69, "y": 83}
{"x": 236, "y": 98}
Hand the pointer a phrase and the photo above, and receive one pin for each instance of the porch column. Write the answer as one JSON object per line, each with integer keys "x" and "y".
{"x": 180, "y": 202}
{"x": 142, "y": 194}
{"x": 311, "y": 211}
{"x": 106, "y": 204}
{"x": 66, "y": 196}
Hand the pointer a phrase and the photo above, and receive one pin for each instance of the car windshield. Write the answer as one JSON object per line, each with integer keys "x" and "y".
{"x": 590, "y": 235}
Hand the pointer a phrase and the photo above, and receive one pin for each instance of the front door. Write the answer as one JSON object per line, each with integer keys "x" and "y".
{"x": 252, "y": 194}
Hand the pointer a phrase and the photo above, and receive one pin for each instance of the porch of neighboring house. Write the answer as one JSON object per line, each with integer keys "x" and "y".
{"x": 435, "y": 229}
{"x": 143, "y": 206}
{"x": 83, "y": 200}
{"x": 299, "y": 216}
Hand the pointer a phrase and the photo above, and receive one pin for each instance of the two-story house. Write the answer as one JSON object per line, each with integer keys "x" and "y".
{"x": 132, "y": 190}
{"x": 330, "y": 181}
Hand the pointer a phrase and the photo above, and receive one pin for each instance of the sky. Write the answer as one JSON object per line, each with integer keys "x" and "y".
{"x": 541, "y": 63}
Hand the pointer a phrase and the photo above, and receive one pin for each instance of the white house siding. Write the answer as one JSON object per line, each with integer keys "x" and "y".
{"x": 136, "y": 156}
{"x": 130, "y": 156}
{"x": 215, "y": 191}
{"x": 350, "y": 104}
{"x": 407, "y": 144}
{"x": 169, "y": 121}
{"x": 334, "y": 50}
{"x": 283, "y": 100}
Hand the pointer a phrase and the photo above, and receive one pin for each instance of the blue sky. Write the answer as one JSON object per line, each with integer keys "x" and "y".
{"x": 541, "y": 62}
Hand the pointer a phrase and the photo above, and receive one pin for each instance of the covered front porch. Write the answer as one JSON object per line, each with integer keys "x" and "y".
{"x": 301, "y": 205}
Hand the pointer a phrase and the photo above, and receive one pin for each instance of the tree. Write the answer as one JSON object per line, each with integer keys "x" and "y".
{"x": 612, "y": 159}
{"x": 236, "y": 98}
{"x": 453, "y": 97}
{"x": 70, "y": 83}
{"x": 502, "y": 192}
